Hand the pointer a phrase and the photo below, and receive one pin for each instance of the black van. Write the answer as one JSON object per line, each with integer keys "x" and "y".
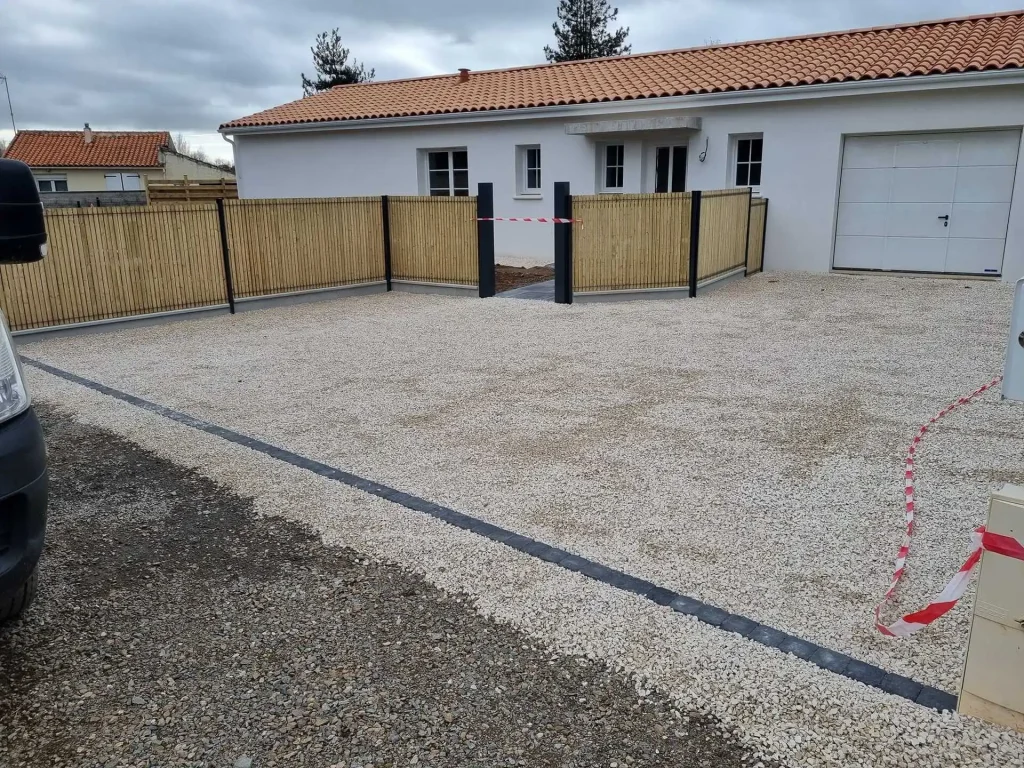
{"x": 23, "y": 476}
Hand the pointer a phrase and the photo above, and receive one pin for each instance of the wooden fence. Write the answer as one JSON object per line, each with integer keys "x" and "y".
{"x": 112, "y": 262}
{"x": 755, "y": 248}
{"x": 190, "y": 190}
{"x": 434, "y": 240}
{"x": 106, "y": 263}
{"x": 282, "y": 246}
{"x": 643, "y": 242}
{"x": 629, "y": 242}
{"x": 724, "y": 215}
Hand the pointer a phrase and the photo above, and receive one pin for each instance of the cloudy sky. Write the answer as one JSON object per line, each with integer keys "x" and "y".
{"x": 189, "y": 65}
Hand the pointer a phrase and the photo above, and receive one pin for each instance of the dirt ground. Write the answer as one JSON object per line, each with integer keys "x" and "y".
{"x": 174, "y": 627}
{"x": 508, "y": 278}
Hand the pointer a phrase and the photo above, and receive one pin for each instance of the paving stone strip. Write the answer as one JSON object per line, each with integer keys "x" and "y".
{"x": 832, "y": 661}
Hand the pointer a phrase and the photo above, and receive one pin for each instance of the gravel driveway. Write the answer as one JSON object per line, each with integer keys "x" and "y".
{"x": 176, "y": 628}
{"x": 744, "y": 448}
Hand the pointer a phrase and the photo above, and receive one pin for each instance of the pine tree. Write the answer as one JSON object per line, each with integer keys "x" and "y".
{"x": 582, "y": 31}
{"x": 330, "y": 59}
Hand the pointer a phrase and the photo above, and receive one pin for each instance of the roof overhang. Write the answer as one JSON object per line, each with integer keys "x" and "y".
{"x": 725, "y": 98}
{"x": 635, "y": 125}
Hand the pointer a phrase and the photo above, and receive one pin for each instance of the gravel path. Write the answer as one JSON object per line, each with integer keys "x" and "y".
{"x": 176, "y": 628}
{"x": 630, "y": 433}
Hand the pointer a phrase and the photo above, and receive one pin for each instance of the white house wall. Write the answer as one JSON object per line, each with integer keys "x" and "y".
{"x": 803, "y": 143}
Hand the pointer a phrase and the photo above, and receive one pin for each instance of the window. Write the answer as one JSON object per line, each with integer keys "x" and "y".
{"x": 52, "y": 183}
{"x": 448, "y": 173}
{"x": 748, "y": 161}
{"x": 614, "y": 167}
{"x": 670, "y": 169}
{"x": 118, "y": 182}
{"x": 528, "y": 181}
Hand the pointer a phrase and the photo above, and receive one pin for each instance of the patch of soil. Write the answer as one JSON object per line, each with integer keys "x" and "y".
{"x": 507, "y": 278}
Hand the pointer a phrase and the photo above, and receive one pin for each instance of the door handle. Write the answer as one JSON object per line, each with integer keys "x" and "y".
{"x": 945, "y": 220}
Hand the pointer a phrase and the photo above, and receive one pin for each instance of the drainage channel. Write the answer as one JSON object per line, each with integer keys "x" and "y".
{"x": 832, "y": 661}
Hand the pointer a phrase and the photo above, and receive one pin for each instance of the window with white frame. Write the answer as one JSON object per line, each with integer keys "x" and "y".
{"x": 447, "y": 172}
{"x": 122, "y": 182}
{"x": 613, "y": 168}
{"x": 748, "y": 152}
{"x": 528, "y": 182}
{"x": 52, "y": 183}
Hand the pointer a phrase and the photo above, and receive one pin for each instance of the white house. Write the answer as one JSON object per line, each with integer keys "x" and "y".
{"x": 880, "y": 149}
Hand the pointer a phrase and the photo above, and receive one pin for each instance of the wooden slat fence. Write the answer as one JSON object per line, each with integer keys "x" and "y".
{"x": 191, "y": 190}
{"x": 282, "y": 246}
{"x": 630, "y": 241}
{"x": 723, "y": 232}
{"x": 755, "y": 248}
{"x": 106, "y": 263}
{"x": 434, "y": 240}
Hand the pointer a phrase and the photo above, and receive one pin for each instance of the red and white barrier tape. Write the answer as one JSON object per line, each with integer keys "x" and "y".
{"x": 981, "y": 539}
{"x": 539, "y": 221}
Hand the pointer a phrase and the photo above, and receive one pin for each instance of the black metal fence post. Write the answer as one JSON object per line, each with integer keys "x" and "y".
{"x": 228, "y": 283}
{"x": 764, "y": 235}
{"x": 385, "y": 211}
{"x": 485, "y": 238}
{"x": 694, "y": 241}
{"x": 563, "y": 244}
{"x": 746, "y": 245}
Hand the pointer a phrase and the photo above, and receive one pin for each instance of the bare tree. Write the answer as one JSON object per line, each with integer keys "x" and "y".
{"x": 183, "y": 147}
{"x": 3, "y": 147}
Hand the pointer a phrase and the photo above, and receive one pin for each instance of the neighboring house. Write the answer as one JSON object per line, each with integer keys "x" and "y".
{"x": 92, "y": 162}
{"x": 879, "y": 149}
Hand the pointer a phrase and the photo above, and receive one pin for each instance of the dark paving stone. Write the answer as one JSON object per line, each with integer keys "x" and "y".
{"x": 933, "y": 698}
{"x": 768, "y": 636}
{"x": 865, "y": 673}
{"x": 799, "y": 648}
{"x": 686, "y": 605}
{"x": 901, "y": 686}
{"x": 741, "y": 625}
{"x": 711, "y": 615}
{"x": 537, "y": 291}
{"x": 830, "y": 660}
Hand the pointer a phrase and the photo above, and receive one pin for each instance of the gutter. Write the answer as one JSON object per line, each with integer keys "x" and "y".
{"x": 660, "y": 103}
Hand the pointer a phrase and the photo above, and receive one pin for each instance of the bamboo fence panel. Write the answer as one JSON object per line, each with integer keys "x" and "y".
{"x": 755, "y": 247}
{"x": 724, "y": 216}
{"x": 282, "y": 246}
{"x": 434, "y": 240}
{"x": 628, "y": 242}
{"x": 106, "y": 263}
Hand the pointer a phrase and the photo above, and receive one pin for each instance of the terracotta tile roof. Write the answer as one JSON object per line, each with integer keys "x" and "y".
{"x": 967, "y": 44}
{"x": 67, "y": 149}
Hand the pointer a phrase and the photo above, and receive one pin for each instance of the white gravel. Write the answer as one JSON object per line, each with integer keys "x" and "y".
{"x": 744, "y": 449}
{"x": 779, "y": 705}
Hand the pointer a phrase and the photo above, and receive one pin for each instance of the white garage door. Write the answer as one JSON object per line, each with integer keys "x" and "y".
{"x": 926, "y": 203}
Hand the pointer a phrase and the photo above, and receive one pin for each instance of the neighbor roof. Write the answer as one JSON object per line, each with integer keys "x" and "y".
{"x": 67, "y": 149}
{"x": 968, "y": 44}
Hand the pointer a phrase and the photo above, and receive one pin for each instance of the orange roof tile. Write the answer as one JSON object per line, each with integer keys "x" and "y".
{"x": 67, "y": 149}
{"x": 969, "y": 44}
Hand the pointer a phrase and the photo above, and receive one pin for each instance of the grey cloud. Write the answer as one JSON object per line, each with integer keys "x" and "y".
{"x": 188, "y": 65}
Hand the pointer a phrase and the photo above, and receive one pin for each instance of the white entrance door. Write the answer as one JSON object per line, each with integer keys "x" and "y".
{"x": 926, "y": 203}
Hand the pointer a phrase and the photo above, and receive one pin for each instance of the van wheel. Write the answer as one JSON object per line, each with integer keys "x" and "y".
{"x": 13, "y": 603}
